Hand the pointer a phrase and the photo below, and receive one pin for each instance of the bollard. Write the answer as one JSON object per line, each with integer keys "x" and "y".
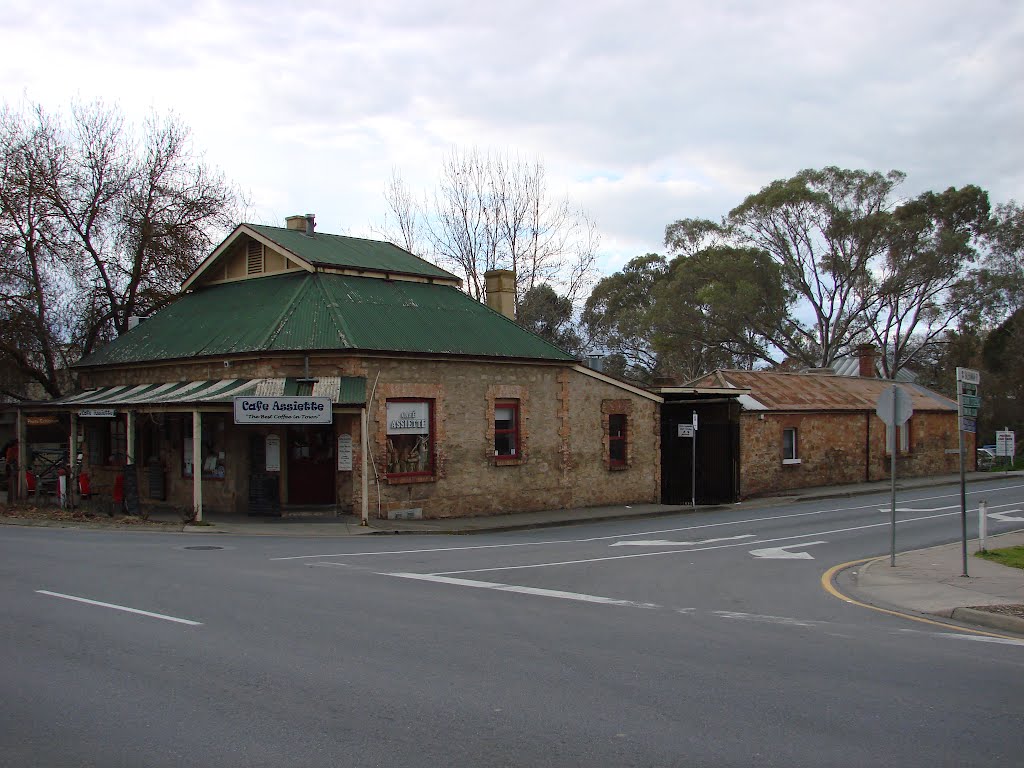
{"x": 982, "y": 523}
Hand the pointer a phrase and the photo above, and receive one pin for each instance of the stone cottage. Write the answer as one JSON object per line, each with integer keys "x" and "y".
{"x": 301, "y": 371}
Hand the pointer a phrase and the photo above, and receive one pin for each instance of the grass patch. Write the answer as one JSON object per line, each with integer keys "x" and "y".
{"x": 1011, "y": 556}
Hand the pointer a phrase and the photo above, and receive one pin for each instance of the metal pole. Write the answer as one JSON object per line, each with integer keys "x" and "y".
{"x": 892, "y": 500}
{"x": 693, "y": 462}
{"x": 963, "y": 496}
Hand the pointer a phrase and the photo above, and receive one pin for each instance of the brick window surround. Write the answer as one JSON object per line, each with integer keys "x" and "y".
{"x": 430, "y": 392}
{"x": 505, "y": 395}
{"x": 623, "y": 408}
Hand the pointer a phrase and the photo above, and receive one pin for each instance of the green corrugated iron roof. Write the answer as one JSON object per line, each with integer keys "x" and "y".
{"x": 350, "y": 252}
{"x": 328, "y": 312}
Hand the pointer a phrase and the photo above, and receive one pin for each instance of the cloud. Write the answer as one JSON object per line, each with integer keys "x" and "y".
{"x": 644, "y": 113}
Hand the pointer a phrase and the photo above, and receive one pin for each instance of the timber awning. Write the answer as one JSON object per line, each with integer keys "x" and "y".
{"x": 342, "y": 390}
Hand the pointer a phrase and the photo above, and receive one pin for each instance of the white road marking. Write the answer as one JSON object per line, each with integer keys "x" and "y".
{"x": 768, "y": 619}
{"x": 688, "y": 551}
{"x": 666, "y": 542}
{"x": 781, "y": 553}
{"x": 984, "y": 639}
{"x": 522, "y": 590}
{"x": 121, "y": 608}
{"x": 919, "y": 509}
{"x": 554, "y": 541}
{"x": 631, "y": 535}
{"x": 1007, "y": 516}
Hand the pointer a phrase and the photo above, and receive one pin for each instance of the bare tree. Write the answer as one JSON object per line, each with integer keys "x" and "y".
{"x": 491, "y": 211}
{"x": 122, "y": 221}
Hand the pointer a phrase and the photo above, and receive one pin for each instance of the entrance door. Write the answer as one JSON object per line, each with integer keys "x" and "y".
{"x": 311, "y": 464}
{"x": 717, "y": 470}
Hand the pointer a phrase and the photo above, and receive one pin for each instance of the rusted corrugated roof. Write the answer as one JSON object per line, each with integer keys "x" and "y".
{"x": 774, "y": 391}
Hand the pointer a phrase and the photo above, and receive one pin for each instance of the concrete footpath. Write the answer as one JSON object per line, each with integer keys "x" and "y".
{"x": 931, "y": 581}
{"x": 926, "y": 581}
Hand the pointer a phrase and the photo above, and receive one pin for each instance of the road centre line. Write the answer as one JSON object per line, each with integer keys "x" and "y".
{"x": 557, "y": 593}
{"x": 120, "y": 608}
{"x": 873, "y": 507}
{"x": 688, "y": 551}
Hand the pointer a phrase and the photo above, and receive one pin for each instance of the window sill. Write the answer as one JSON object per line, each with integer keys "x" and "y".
{"x": 791, "y": 462}
{"x": 410, "y": 479}
{"x": 618, "y": 467}
{"x": 508, "y": 461}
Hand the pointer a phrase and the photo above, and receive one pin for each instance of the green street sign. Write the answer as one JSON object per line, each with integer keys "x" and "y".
{"x": 971, "y": 401}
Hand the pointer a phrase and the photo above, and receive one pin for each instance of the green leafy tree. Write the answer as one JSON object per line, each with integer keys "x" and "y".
{"x": 550, "y": 316}
{"x": 826, "y": 230}
{"x": 618, "y": 316}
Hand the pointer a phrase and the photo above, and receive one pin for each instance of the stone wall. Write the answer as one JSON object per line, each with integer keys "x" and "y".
{"x": 562, "y": 460}
{"x": 838, "y": 448}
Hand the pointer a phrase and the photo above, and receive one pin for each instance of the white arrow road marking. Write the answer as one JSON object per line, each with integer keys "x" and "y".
{"x": 666, "y": 542}
{"x": 1007, "y": 516}
{"x": 780, "y": 553}
{"x": 919, "y": 509}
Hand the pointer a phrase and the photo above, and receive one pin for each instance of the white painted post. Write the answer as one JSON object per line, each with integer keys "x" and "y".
{"x": 982, "y": 523}
{"x": 197, "y": 465}
{"x": 21, "y": 492}
{"x": 129, "y": 428}
{"x": 365, "y": 481}
{"x": 73, "y": 460}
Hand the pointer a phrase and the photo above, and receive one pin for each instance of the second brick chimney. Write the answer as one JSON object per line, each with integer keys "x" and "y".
{"x": 866, "y": 355}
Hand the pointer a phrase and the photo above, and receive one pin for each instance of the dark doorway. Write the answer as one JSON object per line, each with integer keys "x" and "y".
{"x": 311, "y": 465}
{"x": 264, "y": 487}
{"x": 717, "y": 453}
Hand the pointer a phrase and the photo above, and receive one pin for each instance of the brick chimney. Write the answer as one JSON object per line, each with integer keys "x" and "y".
{"x": 866, "y": 355}
{"x": 301, "y": 223}
{"x": 500, "y": 287}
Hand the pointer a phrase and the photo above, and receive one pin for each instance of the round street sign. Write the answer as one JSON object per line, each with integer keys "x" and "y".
{"x": 894, "y": 406}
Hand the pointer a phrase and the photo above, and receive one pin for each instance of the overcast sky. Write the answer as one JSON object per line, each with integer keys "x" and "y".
{"x": 642, "y": 112}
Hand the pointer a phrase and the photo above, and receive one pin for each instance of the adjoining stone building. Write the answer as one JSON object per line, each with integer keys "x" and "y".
{"x": 801, "y": 430}
{"x": 306, "y": 371}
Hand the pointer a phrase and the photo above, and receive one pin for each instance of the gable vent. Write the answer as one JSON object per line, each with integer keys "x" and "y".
{"x": 253, "y": 258}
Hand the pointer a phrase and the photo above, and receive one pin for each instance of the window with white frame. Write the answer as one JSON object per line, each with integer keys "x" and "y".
{"x": 902, "y": 438}
{"x": 790, "y": 446}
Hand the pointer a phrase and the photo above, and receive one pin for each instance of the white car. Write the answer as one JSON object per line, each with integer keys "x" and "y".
{"x": 986, "y": 458}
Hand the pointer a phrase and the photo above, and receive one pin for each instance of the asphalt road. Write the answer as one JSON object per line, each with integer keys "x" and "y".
{"x": 699, "y": 639}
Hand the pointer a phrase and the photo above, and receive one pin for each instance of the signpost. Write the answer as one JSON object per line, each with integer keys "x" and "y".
{"x": 894, "y": 408}
{"x": 1006, "y": 443}
{"x": 690, "y": 431}
{"x": 968, "y": 402}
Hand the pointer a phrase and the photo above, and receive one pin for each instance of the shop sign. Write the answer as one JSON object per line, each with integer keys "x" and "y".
{"x": 97, "y": 413}
{"x": 273, "y": 451}
{"x": 408, "y": 418}
{"x": 283, "y": 410}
